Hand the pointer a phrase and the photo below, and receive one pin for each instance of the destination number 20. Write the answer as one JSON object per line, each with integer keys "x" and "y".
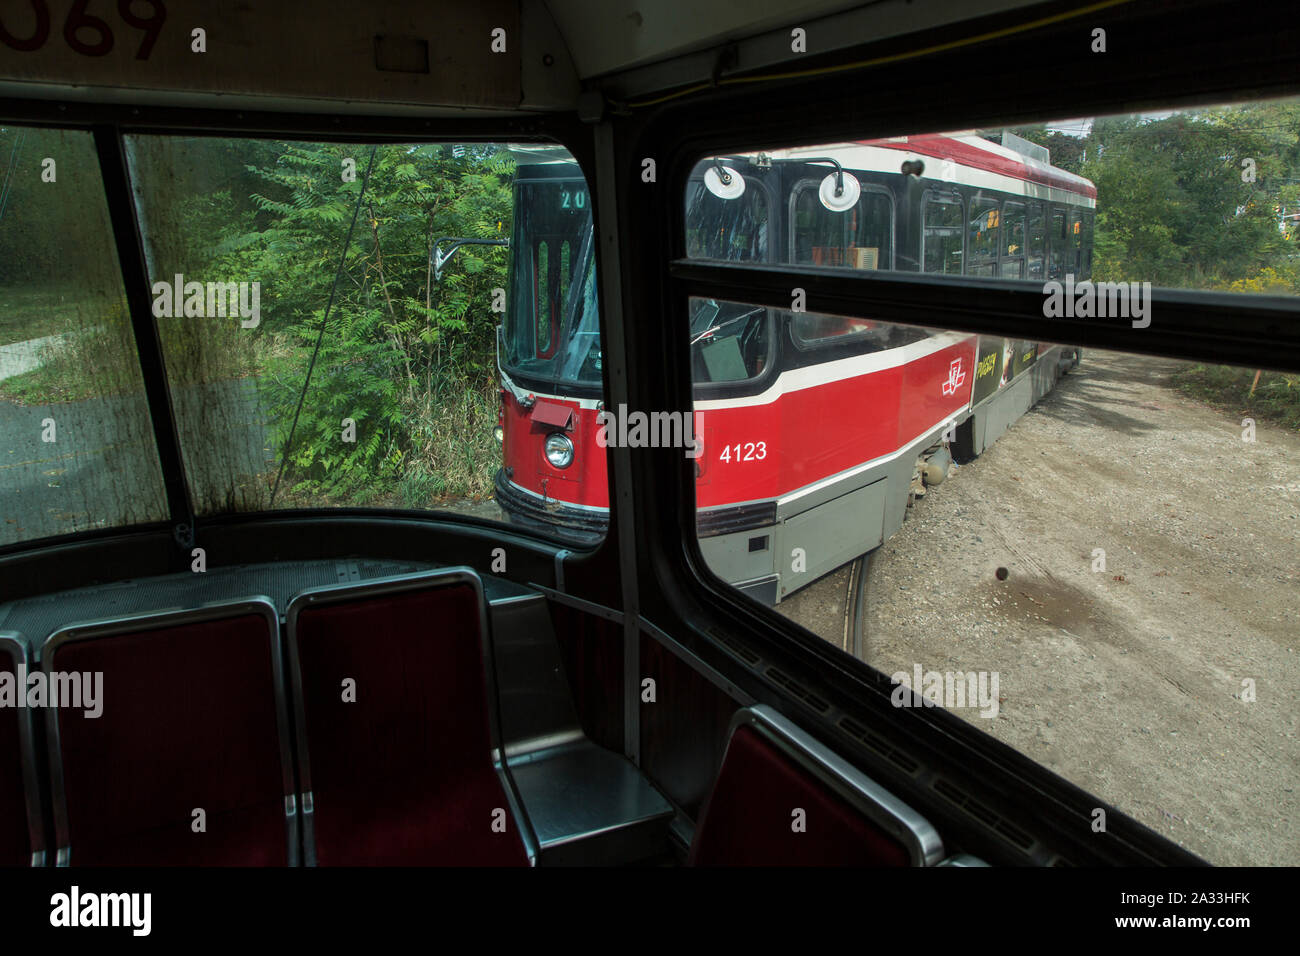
{"x": 753, "y": 451}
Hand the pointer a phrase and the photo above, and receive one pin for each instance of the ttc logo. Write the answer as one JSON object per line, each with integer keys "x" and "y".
{"x": 955, "y": 377}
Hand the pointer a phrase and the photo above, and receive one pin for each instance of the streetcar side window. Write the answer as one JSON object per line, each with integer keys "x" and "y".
{"x": 1057, "y": 245}
{"x": 729, "y": 342}
{"x": 1035, "y": 242}
{"x": 1011, "y": 255}
{"x": 734, "y": 228}
{"x": 985, "y": 228}
{"x": 1074, "y": 255}
{"x": 812, "y": 329}
{"x": 860, "y": 237}
{"x": 1085, "y": 243}
{"x": 941, "y": 243}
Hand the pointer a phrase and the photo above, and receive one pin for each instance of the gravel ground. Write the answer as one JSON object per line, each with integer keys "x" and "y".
{"x": 1127, "y": 681}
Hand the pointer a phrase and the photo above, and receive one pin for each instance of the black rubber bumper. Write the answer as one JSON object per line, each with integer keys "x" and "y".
{"x": 526, "y": 510}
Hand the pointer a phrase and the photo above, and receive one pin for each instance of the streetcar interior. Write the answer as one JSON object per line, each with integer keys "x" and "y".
{"x": 374, "y": 569}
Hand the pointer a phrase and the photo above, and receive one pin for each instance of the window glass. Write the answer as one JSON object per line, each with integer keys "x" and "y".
{"x": 860, "y": 236}
{"x": 553, "y": 229}
{"x": 732, "y": 227}
{"x": 1058, "y": 243}
{"x": 1012, "y": 256}
{"x": 942, "y": 241}
{"x": 729, "y": 342}
{"x": 985, "y": 229}
{"x": 78, "y": 450}
{"x": 1035, "y": 241}
{"x": 1085, "y": 245}
{"x": 1023, "y": 545}
{"x": 1073, "y": 243}
{"x": 314, "y": 362}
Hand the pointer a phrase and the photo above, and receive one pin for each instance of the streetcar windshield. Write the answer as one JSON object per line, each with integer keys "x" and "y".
{"x": 551, "y": 337}
{"x": 551, "y": 333}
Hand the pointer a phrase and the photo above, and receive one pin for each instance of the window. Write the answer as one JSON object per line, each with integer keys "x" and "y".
{"x": 79, "y": 450}
{"x": 860, "y": 237}
{"x": 1035, "y": 242}
{"x": 811, "y": 329}
{"x": 308, "y": 371}
{"x": 553, "y": 226}
{"x": 942, "y": 242}
{"x": 729, "y": 342}
{"x": 1088, "y": 607}
{"x": 1058, "y": 244}
{"x": 1012, "y": 255}
{"x": 1072, "y": 244}
{"x": 732, "y": 227}
{"x": 1085, "y": 245}
{"x": 985, "y": 229}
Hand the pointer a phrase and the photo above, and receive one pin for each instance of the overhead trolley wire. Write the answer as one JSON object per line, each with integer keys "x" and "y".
{"x": 320, "y": 335}
{"x": 7, "y": 188}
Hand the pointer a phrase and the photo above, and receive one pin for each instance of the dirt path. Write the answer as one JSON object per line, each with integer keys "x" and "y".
{"x": 1127, "y": 681}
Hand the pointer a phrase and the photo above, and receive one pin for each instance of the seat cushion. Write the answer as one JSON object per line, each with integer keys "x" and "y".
{"x": 402, "y": 773}
{"x": 188, "y": 722}
{"x": 749, "y": 818}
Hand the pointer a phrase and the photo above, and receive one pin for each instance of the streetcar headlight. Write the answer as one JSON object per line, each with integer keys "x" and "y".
{"x": 559, "y": 450}
{"x": 499, "y": 434}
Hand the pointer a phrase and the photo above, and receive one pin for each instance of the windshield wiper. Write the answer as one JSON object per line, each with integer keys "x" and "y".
{"x": 709, "y": 331}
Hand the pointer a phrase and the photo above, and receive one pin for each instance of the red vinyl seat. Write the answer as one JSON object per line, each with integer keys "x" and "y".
{"x": 396, "y": 727}
{"x": 781, "y": 798}
{"x": 193, "y": 718}
{"x": 21, "y": 831}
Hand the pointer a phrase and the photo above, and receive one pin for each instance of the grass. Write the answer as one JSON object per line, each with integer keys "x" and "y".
{"x": 97, "y": 362}
{"x": 33, "y": 312}
{"x": 1276, "y": 398}
{"x": 450, "y": 453}
{"x": 453, "y": 455}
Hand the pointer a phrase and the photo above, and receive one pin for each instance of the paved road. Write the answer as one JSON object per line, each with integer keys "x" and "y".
{"x": 101, "y": 469}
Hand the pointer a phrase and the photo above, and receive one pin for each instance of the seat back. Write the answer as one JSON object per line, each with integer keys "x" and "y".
{"x": 397, "y": 727}
{"x": 188, "y": 762}
{"x": 22, "y": 834}
{"x": 782, "y": 798}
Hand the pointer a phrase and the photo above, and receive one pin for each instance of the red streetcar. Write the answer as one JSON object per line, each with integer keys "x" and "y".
{"x": 816, "y": 430}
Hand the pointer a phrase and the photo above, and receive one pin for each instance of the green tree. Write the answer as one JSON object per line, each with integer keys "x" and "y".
{"x": 393, "y": 337}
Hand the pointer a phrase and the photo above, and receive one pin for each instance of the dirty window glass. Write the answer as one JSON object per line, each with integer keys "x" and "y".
{"x": 77, "y": 448}
{"x": 318, "y": 362}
